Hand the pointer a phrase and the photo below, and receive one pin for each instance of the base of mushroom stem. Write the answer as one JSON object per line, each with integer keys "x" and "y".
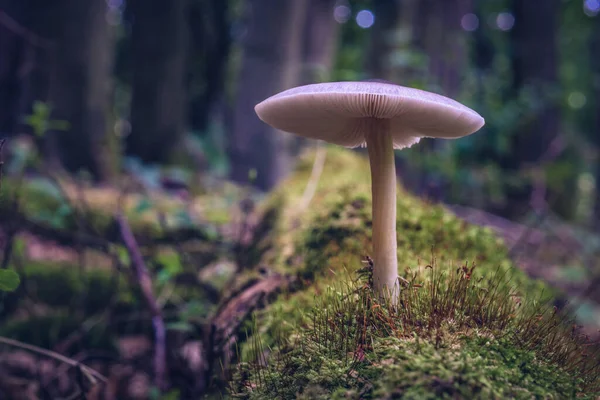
{"x": 388, "y": 295}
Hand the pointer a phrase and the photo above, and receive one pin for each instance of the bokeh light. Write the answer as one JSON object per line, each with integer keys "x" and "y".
{"x": 469, "y": 22}
{"x": 576, "y": 100}
{"x": 591, "y": 8}
{"x": 342, "y": 12}
{"x": 365, "y": 19}
{"x": 505, "y": 21}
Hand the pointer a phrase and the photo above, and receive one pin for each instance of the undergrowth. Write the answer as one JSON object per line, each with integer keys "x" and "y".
{"x": 453, "y": 334}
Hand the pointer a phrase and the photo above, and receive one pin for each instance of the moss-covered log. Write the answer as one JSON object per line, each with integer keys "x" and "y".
{"x": 468, "y": 337}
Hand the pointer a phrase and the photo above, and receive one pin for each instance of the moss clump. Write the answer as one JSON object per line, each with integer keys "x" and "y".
{"x": 452, "y": 336}
{"x": 323, "y": 244}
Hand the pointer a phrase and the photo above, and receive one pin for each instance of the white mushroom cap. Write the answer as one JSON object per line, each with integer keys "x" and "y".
{"x": 336, "y": 112}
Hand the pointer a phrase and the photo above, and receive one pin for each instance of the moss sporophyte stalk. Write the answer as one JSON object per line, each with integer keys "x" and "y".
{"x": 474, "y": 328}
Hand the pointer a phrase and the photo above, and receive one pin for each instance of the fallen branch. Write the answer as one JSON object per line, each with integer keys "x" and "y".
{"x": 145, "y": 283}
{"x": 225, "y": 325}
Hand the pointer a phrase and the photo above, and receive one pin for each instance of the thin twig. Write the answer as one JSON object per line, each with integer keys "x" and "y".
{"x": 315, "y": 175}
{"x": 145, "y": 283}
{"x": 92, "y": 375}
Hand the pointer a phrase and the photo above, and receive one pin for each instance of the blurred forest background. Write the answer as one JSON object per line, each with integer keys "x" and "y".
{"x": 161, "y": 94}
{"x": 174, "y": 83}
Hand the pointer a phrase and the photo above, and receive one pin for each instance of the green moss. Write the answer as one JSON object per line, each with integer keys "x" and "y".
{"x": 480, "y": 368}
{"x": 452, "y": 337}
{"x": 400, "y": 369}
{"x": 324, "y": 244}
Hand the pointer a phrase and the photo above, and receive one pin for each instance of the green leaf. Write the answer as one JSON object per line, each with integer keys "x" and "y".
{"x": 9, "y": 280}
{"x": 170, "y": 261}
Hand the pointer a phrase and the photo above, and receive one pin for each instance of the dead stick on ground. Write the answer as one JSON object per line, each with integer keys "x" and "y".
{"x": 92, "y": 375}
{"x": 145, "y": 283}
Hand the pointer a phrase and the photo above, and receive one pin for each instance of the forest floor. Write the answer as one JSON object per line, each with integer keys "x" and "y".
{"x": 551, "y": 250}
{"x": 547, "y": 249}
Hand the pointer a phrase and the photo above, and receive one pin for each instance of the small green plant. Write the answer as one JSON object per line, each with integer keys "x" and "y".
{"x": 40, "y": 122}
{"x": 9, "y": 280}
{"x": 455, "y": 335}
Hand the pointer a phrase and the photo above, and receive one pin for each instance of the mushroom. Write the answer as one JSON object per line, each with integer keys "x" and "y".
{"x": 383, "y": 116}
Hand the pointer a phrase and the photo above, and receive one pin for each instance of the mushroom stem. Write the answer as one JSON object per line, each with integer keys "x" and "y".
{"x": 383, "y": 186}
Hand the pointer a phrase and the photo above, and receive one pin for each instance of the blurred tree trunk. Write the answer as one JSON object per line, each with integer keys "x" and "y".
{"x": 534, "y": 65}
{"x": 382, "y": 41}
{"x": 320, "y": 38}
{"x": 209, "y": 50}
{"x": 320, "y": 41}
{"x": 272, "y": 52}
{"x": 437, "y": 32}
{"x": 25, "y": 63}
{"x": 80, "y": 85}
{"x": 12, "y": 47}
{"x": 158, "y": 104}
{"x": 482, "y": 50}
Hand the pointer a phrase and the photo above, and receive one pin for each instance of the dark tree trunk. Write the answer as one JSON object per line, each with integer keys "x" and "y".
{"x": 26, "y": 60}
{"x": 320, "y": 41}
{"x": 381, "y": 45}
{"x": 535, "y": 66}
{"x": 80, "y": 86}
{"x": 210, "y": 46}
{"x": 534, "y": 47}
{"x": 320, "y": 38}
{"x": 437, "y": 32}
{"x": 272, "y": 51}
{"x": 158, "y": 104}
{"x": 12, "y": 49}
